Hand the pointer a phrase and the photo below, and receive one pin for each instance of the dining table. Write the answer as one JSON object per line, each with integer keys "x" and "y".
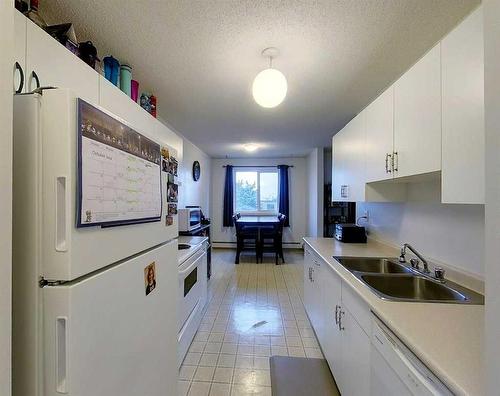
{"x": 266, "y": 228}
{"x": 258, "y": 221}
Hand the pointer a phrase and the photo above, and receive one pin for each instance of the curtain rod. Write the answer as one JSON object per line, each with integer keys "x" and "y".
{"x": 255, "y": 166}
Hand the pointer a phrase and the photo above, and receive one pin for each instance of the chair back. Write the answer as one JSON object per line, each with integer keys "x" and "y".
{"x": 240, "y": 227}
{"x": 236, "y": 216}
{"x": 281, "y": 218}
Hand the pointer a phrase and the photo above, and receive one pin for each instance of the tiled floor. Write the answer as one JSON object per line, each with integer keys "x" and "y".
{"x": 254, "y": 311}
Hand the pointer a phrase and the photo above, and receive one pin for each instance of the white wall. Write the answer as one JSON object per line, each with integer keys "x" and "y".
{"x": 191, "y": 192}
{"x": 492, "y": 123}
{"x": 315, "y": 173}
{"x": 6, "y": 63}
{"x": 448, "y": 234}
{"x": 298, "y": 193}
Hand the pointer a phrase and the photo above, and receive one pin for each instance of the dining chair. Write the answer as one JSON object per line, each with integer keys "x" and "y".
{"x": 271, "y": 240}
{"x": 247, "y": 238}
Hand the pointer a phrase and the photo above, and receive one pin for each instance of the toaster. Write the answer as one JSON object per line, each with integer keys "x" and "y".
{"x": 350, "y": 233}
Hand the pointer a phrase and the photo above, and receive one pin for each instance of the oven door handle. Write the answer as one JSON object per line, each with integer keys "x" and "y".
{"x": 192, "y": 265}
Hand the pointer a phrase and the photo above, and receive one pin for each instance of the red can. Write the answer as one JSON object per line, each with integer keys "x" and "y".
{"x": 152, "y": 100}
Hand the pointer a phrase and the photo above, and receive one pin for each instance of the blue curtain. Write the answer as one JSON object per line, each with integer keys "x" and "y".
{"x": 283, "y": 201}
{"x": 228, "y": 210}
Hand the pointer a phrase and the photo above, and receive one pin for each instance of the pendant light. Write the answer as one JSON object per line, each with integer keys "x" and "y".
{"x": 270, "y": 85}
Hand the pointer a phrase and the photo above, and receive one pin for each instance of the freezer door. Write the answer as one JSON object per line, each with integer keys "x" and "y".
{"x": 104, "y": 336}
{"x": 70, "y": 252}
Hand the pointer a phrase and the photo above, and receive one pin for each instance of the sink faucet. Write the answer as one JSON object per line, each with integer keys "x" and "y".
{"x": 414, "y": 263}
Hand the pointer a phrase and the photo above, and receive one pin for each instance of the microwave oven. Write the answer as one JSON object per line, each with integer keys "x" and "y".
{"x": 189, "y": 219}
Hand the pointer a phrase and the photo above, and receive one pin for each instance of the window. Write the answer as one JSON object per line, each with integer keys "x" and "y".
{"x": 256, "y": 190}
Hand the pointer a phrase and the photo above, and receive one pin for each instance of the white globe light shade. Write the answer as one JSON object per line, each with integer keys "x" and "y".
{"x": 269, "y": 88}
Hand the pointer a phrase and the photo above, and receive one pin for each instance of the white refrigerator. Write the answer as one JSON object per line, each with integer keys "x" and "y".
{"x": 94, "y": 301}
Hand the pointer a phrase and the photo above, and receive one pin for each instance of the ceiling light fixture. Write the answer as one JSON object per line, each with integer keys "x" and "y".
{"x": 270, "y": 85}
{"x": 250, "y": 147}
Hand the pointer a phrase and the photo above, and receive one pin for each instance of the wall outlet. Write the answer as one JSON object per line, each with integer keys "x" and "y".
{"x": 366, "y": 214}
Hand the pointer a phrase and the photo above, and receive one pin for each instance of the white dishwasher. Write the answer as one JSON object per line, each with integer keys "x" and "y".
{"x": 396, "y": 371}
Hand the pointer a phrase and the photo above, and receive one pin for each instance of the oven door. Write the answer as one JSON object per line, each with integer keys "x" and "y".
{"x": 190, "y": 286}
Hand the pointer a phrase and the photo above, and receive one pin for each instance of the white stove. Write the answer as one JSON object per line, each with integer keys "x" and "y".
{"x": 192, "y": 291}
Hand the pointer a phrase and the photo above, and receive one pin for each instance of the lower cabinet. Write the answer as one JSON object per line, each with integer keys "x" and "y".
{"x": 344, "y": 342}
{"x": 332, "y": 307}
{"x": 354, "y": 378}
{"x": 308, "y": 283}
{"x": 313, "y": 293}
{"x": 364, "y": 356}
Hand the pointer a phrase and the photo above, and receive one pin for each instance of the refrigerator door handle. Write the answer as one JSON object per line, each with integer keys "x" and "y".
{"x": 61, "y": 354}
{"x": 61, "y": 214}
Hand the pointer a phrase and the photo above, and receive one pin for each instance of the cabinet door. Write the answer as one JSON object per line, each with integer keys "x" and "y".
{"x": 331, "y": 305}
{"x": 338, "y": 159}
{"x": 462, "y": 62}
{"x": 379, "y": 125}
{"x": 348, "y": 172}
{"x": 20, "y": 50}
{"x": 57, "y": 66}
{"x": 308, "y": 291}
{"x": 417, "y": 117}
{"x": 120, "y": 104}
{"x": 354, "y": 158}
{"x": 316, "y": 317}
{"x": 354, "y": 376}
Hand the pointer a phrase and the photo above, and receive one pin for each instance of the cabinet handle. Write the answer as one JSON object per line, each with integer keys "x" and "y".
{"x": 388, "y": 157}
{"x": 340, "y": 319}
{"x": 395, "y": 161}
{"x": 310, "y": 278}
{"x": 312, "y": 273}
{"x": 34, "y": 76}
{"x": 336, "y": 314}
{"x": 18, "y": 67}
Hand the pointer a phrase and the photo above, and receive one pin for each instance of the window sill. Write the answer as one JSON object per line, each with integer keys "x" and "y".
{"x": 258, "y": 213}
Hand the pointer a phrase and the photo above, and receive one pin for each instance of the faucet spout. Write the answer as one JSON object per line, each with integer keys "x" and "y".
{"x": 402, "y": 257}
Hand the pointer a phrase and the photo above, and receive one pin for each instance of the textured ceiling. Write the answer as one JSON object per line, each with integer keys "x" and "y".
{"x": 200, "y": 58}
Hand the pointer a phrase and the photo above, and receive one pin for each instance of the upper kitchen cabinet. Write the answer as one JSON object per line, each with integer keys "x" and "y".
{"x": 417, "y": 117}
{"x": 19, "y": 52}
{"x": 379, "y": 121}
{"x": 462, "y": 63}
{"x": 120, "y": 104}
{"x": 117, "y": 102}
{"x": 348, "y": 174}
{"x": 48, "y": 63}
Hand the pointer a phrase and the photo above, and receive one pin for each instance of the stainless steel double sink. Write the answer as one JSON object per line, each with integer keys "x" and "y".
{"x": 391, "y": 280}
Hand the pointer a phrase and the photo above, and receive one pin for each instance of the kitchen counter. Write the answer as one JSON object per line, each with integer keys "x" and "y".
{"x": 448, "y": 338}
{"x": 194, "y": 241}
